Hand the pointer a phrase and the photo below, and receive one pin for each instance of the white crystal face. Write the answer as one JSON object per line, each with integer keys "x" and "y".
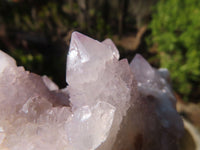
{"x": 86, "y": 59}
{"x": 143, "y": 72}
{"x": 89, "y": 126}
{"x": 110, "y": 45}
{"x": 108, "y": 105}
{"x": 28, "y": 119}
{"x": 49, "y": 84}
{"x": 5, "y": 61}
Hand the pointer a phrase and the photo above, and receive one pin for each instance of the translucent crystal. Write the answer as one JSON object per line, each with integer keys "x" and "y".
{"x": 157, "y": 98}
{"x": 50, "y": 84}
{"x": 88, "y": 127}
{"x": 108, "y": 105}
{"x": 84, "y": 50}
{"x": 5, "y": 61}
{"x": 109, "y": 43}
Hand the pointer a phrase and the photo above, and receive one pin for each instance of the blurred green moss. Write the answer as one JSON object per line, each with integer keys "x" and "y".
{"x": 175, "y": 29}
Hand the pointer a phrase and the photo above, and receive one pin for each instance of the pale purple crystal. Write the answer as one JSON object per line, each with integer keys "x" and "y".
{"x": 108, "y": 105}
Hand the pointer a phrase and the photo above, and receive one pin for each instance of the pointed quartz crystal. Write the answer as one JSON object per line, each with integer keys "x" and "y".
{"x": 5, "y": 61}
{"x": 86, "y": 59}
{"x": 157, "y": 97}
{"x": 108, "y": 105}
{"x": 109, "y": 43}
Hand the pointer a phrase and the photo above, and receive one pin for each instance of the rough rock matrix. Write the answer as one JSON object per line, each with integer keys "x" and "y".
{"x": 108, "y": 104}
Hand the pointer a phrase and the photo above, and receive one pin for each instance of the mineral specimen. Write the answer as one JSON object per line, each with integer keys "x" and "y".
{"x": 108, "y": 105}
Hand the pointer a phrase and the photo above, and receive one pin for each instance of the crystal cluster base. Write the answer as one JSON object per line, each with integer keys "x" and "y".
{"x": 107, "y": 105}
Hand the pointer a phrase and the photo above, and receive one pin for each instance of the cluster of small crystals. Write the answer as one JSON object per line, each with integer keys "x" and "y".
{"x": 107, "y": 105}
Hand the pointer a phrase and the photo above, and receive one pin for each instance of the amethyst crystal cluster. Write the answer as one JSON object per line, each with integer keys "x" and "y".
{"x": 108, "y": 104}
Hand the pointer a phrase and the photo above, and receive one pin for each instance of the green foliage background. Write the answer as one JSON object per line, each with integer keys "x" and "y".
{"x": 175, "y": 29}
